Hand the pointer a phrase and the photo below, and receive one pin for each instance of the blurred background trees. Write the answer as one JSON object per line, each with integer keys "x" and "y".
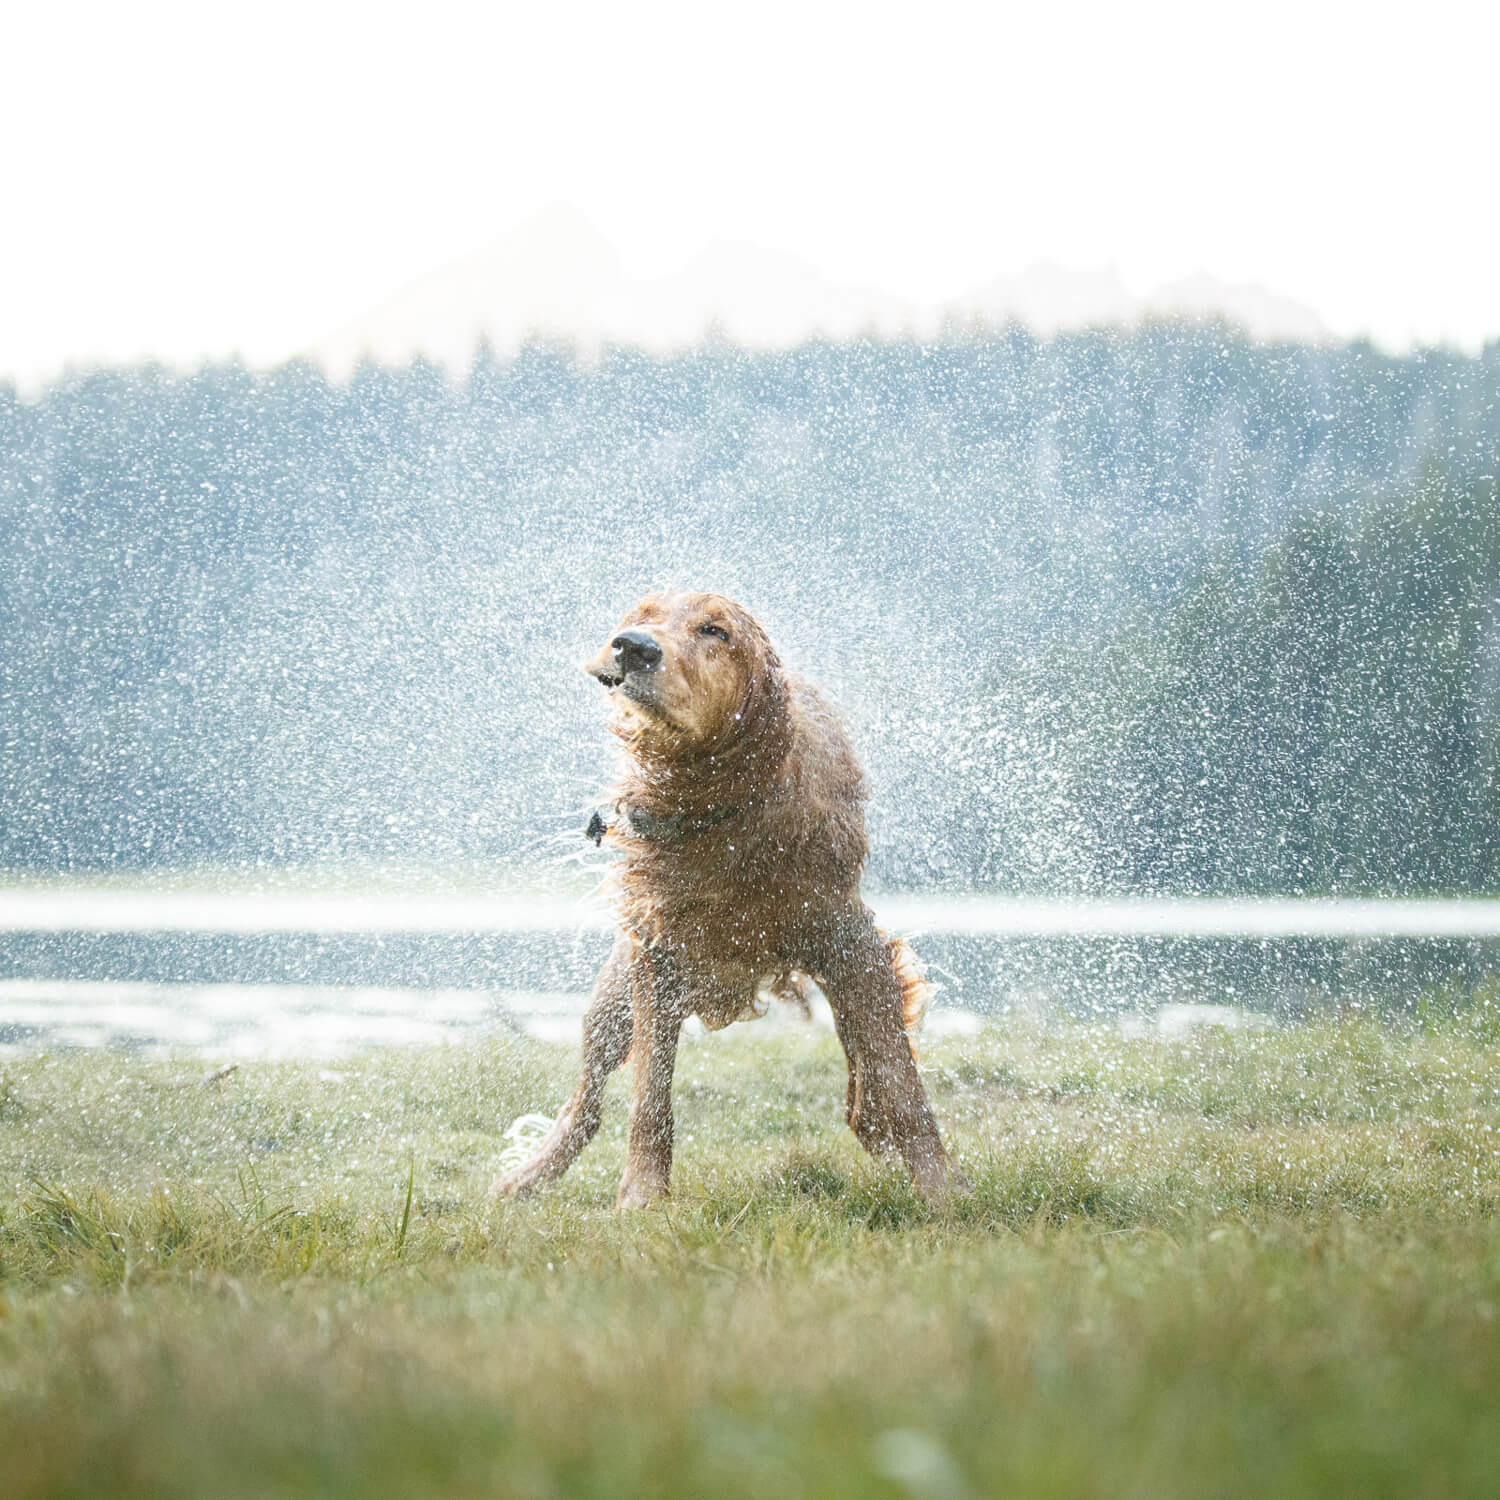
{"x": 1161, "y": 610}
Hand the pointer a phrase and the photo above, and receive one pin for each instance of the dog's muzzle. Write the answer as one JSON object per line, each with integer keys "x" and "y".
{"x": 630, "y": 651}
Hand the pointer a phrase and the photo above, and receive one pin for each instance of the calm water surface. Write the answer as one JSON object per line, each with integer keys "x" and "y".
{"x": 289, "y": 973}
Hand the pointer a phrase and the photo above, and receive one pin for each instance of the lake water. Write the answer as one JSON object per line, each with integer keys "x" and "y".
{"x": 51, "y": 909}
{"x": 299, "y": 973}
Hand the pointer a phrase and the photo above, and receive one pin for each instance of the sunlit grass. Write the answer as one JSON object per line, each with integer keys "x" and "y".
{"x": 1229, "y": 1264}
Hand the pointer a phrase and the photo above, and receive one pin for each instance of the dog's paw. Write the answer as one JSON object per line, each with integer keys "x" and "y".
{"x": 958, "y": 1185}
{"x": 511, "y": 1185}
{"x": 637, "y": 1190}
{"x": 938, "y": 1184}
{"x": 521, "y": 1181}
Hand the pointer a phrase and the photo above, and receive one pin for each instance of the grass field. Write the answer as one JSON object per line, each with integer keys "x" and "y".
{"x": 1234, "y": 1264}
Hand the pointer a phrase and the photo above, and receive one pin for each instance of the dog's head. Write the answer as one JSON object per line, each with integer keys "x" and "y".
{"x": 687, "y": 671}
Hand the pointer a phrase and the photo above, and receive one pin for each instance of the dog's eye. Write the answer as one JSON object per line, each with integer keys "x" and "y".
{"x": 717, "y": 630}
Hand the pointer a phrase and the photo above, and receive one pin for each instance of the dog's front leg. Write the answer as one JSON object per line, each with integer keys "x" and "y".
{"x": 606, "y": 1040}
{"x": 657, "y": 1022}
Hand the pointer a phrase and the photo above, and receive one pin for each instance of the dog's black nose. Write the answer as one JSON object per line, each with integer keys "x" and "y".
{"x": 635, "y": 651}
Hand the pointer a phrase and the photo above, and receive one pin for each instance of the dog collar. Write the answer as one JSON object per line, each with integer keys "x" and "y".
{"x": 649, "y": 825}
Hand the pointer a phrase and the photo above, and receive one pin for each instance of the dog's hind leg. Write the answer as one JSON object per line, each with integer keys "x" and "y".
{"x": 886, "y": 1105}
{"x": 606, "y": 1044}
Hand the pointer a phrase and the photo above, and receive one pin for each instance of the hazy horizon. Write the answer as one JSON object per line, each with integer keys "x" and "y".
{"x": 184, "y": 187}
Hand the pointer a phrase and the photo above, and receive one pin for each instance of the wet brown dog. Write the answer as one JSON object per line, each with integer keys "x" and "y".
{"x": 739, "y": 826}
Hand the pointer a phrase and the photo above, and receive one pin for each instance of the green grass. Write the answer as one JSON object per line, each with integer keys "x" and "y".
{"x": 1231, "y": 1265}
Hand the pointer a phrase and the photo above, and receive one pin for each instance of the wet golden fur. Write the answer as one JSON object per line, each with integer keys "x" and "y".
{"x": 738, "y": 822}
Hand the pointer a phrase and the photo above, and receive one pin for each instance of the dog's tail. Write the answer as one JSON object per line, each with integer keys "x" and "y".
{"x": 916, "y": 993}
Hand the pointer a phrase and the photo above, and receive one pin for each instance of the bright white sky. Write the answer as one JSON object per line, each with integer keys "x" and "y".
{"x": 191, "y": 180}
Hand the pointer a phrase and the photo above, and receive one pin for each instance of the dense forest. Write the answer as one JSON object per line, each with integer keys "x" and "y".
{"x": 1156, "y": 610}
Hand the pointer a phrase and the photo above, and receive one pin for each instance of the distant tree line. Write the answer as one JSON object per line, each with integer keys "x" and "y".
{"x": 1150, "y": 610}
{"x": 1330, "y": 724}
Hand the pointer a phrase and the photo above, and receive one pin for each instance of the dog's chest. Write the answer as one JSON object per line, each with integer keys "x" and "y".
{"x": 728, "y": 904}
